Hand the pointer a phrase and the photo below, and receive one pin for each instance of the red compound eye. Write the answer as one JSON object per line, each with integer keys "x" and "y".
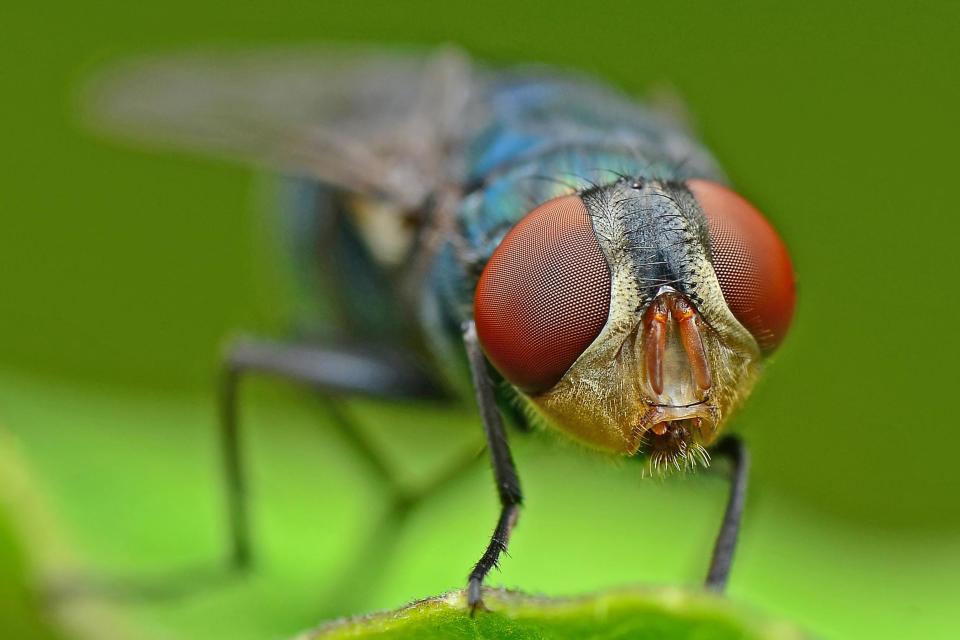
{"x": 544, "y": 295}
{"x": 751, "y": 262}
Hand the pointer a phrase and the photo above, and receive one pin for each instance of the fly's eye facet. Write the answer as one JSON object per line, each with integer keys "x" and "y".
{"x": 544, "y": 295}
{"x": 751, "y": 263}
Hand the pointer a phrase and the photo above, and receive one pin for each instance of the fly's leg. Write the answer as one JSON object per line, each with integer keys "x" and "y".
{"x": 331, "y": 370}
{"x": 732, "y": 448}
{"x": 504, "y": 472}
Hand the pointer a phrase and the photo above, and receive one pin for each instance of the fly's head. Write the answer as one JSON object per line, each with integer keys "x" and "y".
{"x": 635, "y": 316}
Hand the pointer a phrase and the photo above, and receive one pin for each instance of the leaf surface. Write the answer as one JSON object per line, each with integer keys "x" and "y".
{"x": 662, "y": 614}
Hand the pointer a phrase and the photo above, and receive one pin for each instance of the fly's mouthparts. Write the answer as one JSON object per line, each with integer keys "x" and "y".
{"x": 676, "y": 428}
{"x": 704, "y": 415}
{"x": 675, "y": 444}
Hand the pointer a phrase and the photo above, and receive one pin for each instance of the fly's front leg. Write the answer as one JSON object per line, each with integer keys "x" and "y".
{"x": 733, "y": 448}
{"x": 332, "y": 369}
{"x": 504, "y": 471}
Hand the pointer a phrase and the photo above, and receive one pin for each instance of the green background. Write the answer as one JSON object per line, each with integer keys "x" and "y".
{"x": 121, "y": 273}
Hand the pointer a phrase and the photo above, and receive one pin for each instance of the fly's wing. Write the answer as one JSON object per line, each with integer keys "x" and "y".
{"x": 376, "y": 124}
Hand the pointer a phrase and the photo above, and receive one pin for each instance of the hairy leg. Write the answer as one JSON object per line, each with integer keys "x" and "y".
{"x": 504, "y": 471}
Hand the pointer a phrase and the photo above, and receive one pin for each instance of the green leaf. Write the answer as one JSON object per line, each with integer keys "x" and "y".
{"x": 663, "y": 614}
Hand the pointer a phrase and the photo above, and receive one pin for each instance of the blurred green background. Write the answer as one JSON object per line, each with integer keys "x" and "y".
{"x": 122, "y": 272}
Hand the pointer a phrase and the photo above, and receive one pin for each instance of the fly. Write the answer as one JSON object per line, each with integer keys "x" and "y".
{"x": 523, "y": 237}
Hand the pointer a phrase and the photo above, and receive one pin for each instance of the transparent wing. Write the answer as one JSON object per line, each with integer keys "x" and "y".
{"x": 373, "y": 123}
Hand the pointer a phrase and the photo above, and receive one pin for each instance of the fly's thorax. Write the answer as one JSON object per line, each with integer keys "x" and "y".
{"x": 656, "y": 243}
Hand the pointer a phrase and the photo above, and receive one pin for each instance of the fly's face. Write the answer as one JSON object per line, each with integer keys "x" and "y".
{"x": 635, "y": 316}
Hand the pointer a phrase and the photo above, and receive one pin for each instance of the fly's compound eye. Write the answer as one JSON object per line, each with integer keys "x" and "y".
{"x": 544, "y": 295}
{"x": 751, "y": 263}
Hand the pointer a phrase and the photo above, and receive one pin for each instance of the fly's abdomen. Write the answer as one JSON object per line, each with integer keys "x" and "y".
{"x": 340, "y": 284}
